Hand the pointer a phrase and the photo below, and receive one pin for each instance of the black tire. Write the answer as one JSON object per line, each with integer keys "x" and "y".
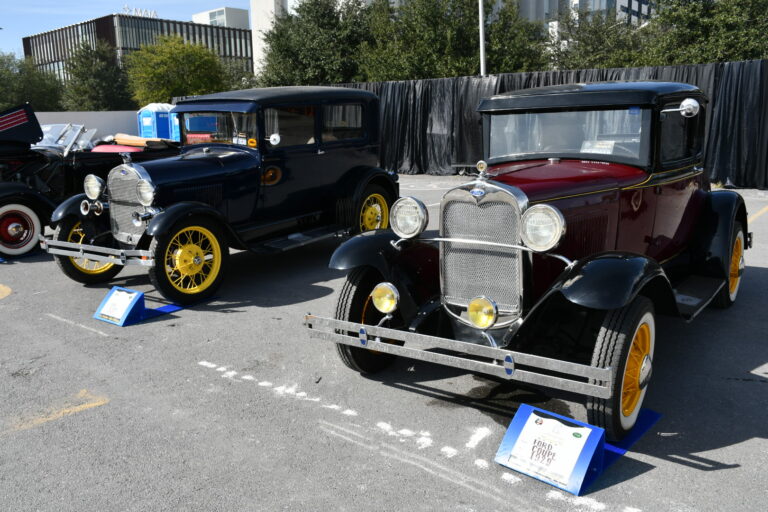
{"x": 362, "y": 220}
{"x": 728, "y": 293}
{"x": 191, "y": 272}
{"x": 20, "y": 227}
{"x": 81, "y": 270}
{"x": 353, "y": 305}
{"x": 624, "y": 332}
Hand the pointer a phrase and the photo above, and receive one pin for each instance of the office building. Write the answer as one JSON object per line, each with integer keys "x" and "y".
{"x": 223, "y": 17}
{"x": 126, "y": 33}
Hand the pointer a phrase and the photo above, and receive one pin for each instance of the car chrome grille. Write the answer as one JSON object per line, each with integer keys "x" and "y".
{"x": 121, "y": 186}
{"x": 468, "y": 271}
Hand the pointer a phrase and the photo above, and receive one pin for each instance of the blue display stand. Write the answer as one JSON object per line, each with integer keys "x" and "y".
{"x": 124, "y": 307}
{"x": 561, "y": 451}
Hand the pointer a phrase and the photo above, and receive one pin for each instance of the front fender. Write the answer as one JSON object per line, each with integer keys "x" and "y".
{"x": 70, "y": 207}
{"x": 164, "y": 221}
{"x": 413, "y": 268}
{"x": 20, "y": 193}
{"x": 612, "y": 280}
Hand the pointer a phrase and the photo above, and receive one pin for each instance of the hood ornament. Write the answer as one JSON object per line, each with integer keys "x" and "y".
{"x": 482, "y": 167}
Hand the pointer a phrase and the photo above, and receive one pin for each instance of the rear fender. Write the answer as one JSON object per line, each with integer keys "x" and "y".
{"x": 712, "y": 248}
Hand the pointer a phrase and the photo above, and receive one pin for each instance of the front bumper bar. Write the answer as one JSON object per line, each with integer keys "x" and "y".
{"x": 507, "y": 364}
{"x": 97, "y": 253}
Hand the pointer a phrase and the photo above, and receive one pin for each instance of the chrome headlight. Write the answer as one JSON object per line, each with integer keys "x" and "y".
{"x": 385, "y": 297}
{"x": 542, "y": 227}
{"x": 408, "y": 217}
{"x": 93, "y": 186}
{"x": 145, "y": 192}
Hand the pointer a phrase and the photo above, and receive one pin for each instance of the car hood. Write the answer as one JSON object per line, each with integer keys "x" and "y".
{"x": 195, "y": 164}
{"x": 543, "y": 180}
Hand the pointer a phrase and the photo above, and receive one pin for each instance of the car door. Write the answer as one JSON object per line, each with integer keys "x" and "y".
{"x": 678, "y": 184}
{"x": 289, "y": 184}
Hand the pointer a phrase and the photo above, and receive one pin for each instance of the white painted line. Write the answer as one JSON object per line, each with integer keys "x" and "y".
{"x": 424, "y": 442}
{"x": 631, "y": 509}
{"x": 343, "y": 429}
{"x": 577, "y": 501}
{"x": 301, "y": 394}
{"x": 349, "y": 412}
{"x": 70, "y": 322}
{"x": 207, "y": 364}
{"x": 387, "y": 428}
{"x": 510, "y": 478}
{"x": 221, "y": 369}
{"x": 265, "y": 384}
{"x": 342, "y": 436}
{"x": 248, "y": 377}
{"x": 291, "y": 390}
{"x": 333, "y": 406}
{"x": 448, "y": 451}
{"x": 480, "y": 434}
{"x": 228, "y": 375}
{"x": 406, "y": 433}
{"x": 313, "y": 399}
{"x": 482, "y": 464}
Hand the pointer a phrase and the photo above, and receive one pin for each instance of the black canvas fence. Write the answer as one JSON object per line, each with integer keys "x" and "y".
{"x": 427, "y": 126}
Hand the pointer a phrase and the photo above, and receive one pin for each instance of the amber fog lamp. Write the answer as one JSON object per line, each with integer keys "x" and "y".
{"x": 408, "y": 217}
{"x": 145, "y": 192}
{"x": 542, "y": 227}
{"x": 93, "y": 187}
{"x": 385, "y": 297}
{"x": 482, "y": 312}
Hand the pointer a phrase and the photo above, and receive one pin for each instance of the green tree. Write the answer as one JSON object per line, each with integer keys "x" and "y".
{"x": 691, "y": 32}
{"x": 95, "y": 80}
{"x": 596, "y": 40}
{"x": 21, "y": 81}
{"x": 171, "y": 67}
{"x": 422, "y": 39}
{"x": 316, "y": 44}
{"x": 237, "y": 76}
{"x": 513, "y": 43}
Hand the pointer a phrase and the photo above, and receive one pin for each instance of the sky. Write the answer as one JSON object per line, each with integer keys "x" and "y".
{"x": 21, "y": 18}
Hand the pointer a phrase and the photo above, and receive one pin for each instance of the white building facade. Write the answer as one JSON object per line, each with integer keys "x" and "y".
{"x": 223, "y": 17}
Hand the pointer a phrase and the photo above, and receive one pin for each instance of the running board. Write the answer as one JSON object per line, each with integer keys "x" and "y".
{"x": 295, "y": 240}
{"x": 695, "y": 293}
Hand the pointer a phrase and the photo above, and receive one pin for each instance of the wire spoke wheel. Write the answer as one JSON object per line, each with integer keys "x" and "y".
{"x": 374, "y": 213}
{"x": 193, "y": 259}
{"x": 84, "y": 265}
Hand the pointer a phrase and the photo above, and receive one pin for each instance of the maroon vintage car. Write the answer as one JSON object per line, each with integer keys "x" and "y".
{"x": 592, "y": 216}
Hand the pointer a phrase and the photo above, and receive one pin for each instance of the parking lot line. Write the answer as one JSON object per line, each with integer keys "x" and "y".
{"x": 92, "y": 401}
{"x": 758, "y": 214}
{"x": 70, "y": 322}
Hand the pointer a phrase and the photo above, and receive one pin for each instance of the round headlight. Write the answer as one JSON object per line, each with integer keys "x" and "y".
{"x": 145, "y": 192}
{"x": 408, "y": 217}
{"x": 543, "y": 227}
{"x": 385, "y": 297}
{"x": 93, "y": 186}
{"x": 482, "y": 312}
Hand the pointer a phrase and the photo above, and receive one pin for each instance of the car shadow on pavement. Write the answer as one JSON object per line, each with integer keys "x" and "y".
{"x": 260, "y": 280}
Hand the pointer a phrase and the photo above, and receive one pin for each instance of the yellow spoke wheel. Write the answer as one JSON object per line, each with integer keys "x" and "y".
{"x": 192, "y": 260}
{"x": 90, "y": 267}
{"x": 632, "y": 389}
{"x": 374, "y": 213}
{"x": 734, "y": 272}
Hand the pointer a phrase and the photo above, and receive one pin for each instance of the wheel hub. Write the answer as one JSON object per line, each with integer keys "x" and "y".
{"x": 189, "y": 259}
{"x": 372, "y": 217}
{"x": 645, "y": 372}
{"x": 15, "y": 230}
{"x": 12, "y": 229}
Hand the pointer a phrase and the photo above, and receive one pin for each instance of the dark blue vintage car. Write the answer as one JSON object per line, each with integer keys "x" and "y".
{"x": 262, "y": 169}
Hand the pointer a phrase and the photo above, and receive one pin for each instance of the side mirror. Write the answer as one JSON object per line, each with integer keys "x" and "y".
{"x": 274, "y": 139}
{"x": 688, "y": 108}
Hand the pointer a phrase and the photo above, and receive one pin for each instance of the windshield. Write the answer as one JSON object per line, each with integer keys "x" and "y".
{"x": 624, "y": 134}
{"x": 227, "y": 127}
{"x": 64, "y": 135}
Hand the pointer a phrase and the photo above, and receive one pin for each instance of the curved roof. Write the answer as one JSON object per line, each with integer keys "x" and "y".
{"x": 587, "y": 95}
{"x": 272, "y": 95}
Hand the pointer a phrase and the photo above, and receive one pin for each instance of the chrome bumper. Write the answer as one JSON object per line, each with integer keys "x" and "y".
{"x": 577, "y": 378}
{"x": 97, "y": 253}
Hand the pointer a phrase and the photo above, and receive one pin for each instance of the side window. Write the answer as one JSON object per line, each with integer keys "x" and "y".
{"x": 295, "y": 125}
{"x": 681, "y": 137}
{"x": 342, "y": 122}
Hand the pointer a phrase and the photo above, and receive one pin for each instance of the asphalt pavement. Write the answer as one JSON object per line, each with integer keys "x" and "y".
{"x": 229, "y": 406}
